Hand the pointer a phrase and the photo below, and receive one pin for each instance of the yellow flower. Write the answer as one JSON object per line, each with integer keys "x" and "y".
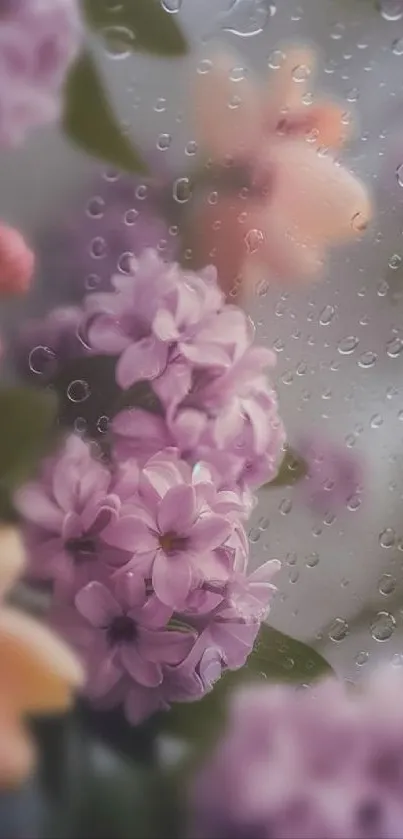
{"x": 37, "y": 671}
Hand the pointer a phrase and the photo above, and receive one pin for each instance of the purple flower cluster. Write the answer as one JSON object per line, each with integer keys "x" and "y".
{"x": 323, "y": 763}
{"x": 173, "y": 329}
{"x": 38, "y": 41}
{"x": 148, "y": 563}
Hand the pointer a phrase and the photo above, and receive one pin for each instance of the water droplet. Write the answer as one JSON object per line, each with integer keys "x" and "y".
{"x": 347, "y": 345}
{"x": 125, "y": 262}
{"x": 254, "y": 535}
{"x": 92, "y": 282}
{"x": 387, "y": 538}
{"x": 160, "y": 105}
{"x": 119, "y": 41}
{"x": 359, "y": 221}
{"x": 78, "y": 390}
{"x": 254, "y": 239}
{"x": 182, "y": 190}
{"x": 276, "y": 59}
{"x": 171, "y": 6}
{"x": 205, "y": 66}
{"x": 96, "y": 207}
{"x": 397, "y": 46}
{"x": 302, "y": 368}
{"x": 354, "y": 503}
{"x": 376, "y": 421}
{"x": 131, "y": 216}
{"x": 312, "y": 560}
{"x": 361, "y": 658}
{"x": 291, "y": 558}
{"x": 141, "y": 192}
{"x": 399, "y": 174}
{"x": 293, "y": 575}
{"x": 386, "y": 585}
{"x": 98, "y": 248}
{"x": 382, "y": 289}
{"x": 338, "y": 630}
{"x": 164, "y": 142}
{"x": 191, "y": 148}
{"x": 285, "y": 506}
{"x": 42, "y": 360}
{"x": 327, "y": 314}
{"x": 237, "y": 74}
{"x": 391, "y": 9}
{"x": 397, "y": 659}
{"x": 383, "y": 626}
{"x": 250, "y": 18}
{"x": 367, "y": 359}
{"x": 80, "y": 425}
{"x": 395, "y": 261}
{"x": 394, "y": 347}
{"x": 263, "y": 523}
{"x": 301, "y": 72}
{"x": 353, "y": 94}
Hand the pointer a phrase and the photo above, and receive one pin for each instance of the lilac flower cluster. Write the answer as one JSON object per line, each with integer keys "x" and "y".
{"x": 306, "y": 764}
{"x": 149, "y": 572}
{"x": 146, "y": 551}
{"x": 173, "y": 329}
{"x": 38, "y": 41}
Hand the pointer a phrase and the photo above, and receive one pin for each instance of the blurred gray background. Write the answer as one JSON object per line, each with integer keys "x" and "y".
{"x": 341, "y": 586}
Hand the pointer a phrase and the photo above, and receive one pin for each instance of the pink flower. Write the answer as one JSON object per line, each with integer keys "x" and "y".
{"x": 67, "y": 511}
{"x": 297, "y": 199}
{"x": 39, "y": 39}
{"x": 175, "y": 528}
{"x": 326, "y": 762}
{"x": 334, "y": 474}
{"x": 17, "y": 262}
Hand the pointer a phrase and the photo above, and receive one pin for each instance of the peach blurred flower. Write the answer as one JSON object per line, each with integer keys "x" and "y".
{"x": 17, "y": 262}
{"x": 37, "y": 671}
{"x": 299, "y": 199}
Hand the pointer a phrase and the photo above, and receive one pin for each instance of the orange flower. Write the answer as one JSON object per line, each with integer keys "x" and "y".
{"x": 299, "y": 199}
{"x": 37, "y": 671}
{"x": 17, "y": 262}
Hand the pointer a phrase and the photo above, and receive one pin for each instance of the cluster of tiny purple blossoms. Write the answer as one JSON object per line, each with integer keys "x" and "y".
{"x": 319, "y": 763}
{"x": 146, "y": 548}
{"x": 38, "y": 41}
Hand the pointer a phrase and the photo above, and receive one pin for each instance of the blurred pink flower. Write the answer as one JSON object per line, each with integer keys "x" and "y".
{"x": 38, "y": 41}
{"x": 17, "y": 262}
{"x": 334, "y": 474}
{"x": 298, "y": 200}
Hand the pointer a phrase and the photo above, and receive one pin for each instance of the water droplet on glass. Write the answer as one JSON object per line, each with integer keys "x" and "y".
{"x": 293, "y": 575}
{"x": 98, "y": 248}
{"x": 160, "y": 105}
{"x": 312, "y": 560}
{"x": 327, "y": 314}
{"x": 387, "y": 538}
{"x": 125, "y": 262}
{"x": 359, "y": 222}
{"x": 285, "y": 506}
{"x": 141, "y": 192}
{"x": 382, "y": 289}
{"x": 171, "y": 6}
{"x": 301, "y": 72}
{"x": 338, "y": 630}
{"x": 96, "y": 207}
{"x": 397, "y": 659}
{"x": 376, "y": 421}
{"x": 367, "y": 359}
{"x": 119, "y": 41}
{"x": 276, "y": 59}
{"x": 291, "y": 558}
{"x": 395, "y": 261}
{"x": 391, "y": 9}
{"x": 386, "y": 585}
{"x": 131, "y": 216}
{"x": 361, "y": 658}
{"x": 394, "y": 347}
{"x": 191, "y": 148}
{"x": 42, "y": 360}
{"x": 399, "y": 174}
{"x": 347, "y": 345}
{"x": 78, "y": 390}
{"x": 247, "y": 18}
{"x": 92, "y": 282}
{"x": 164, "y": 142}
{"x": 353, "y": 94}
{"x": 397, "y": 46}
{"x": 103, "y": 424}
{"x": 80, "y": 425}
{"x": 182, "y": 190}
{"x": 254, "y": 239}
{"x": 205, "y": 66}
{"x": 383, "y": 626}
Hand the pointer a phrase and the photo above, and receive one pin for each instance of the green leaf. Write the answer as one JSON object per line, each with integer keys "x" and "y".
{"x": 89, "y": 120}
{"x": 27, "y": 418}
{"x": 275, "y": 658}
{"x": 136, "y": 25}
{"x": 293, "y": 468}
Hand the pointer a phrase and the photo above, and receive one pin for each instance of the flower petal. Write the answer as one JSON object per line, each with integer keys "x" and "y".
{"x": 142, "y": 361}
{"x": 35, "y": 505}
{"x": 167, "y": 647}
{"x": 144, "y": 672}
{"x": 130, "y": 534}
{"x": 210, "y": 532}
{"x": 97, "y": 605}
{"x": 164, "y": 326}
{"x": 177, "y": 510}
{"x": 172, "y": 579}
{"x": 106, "y": 336}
